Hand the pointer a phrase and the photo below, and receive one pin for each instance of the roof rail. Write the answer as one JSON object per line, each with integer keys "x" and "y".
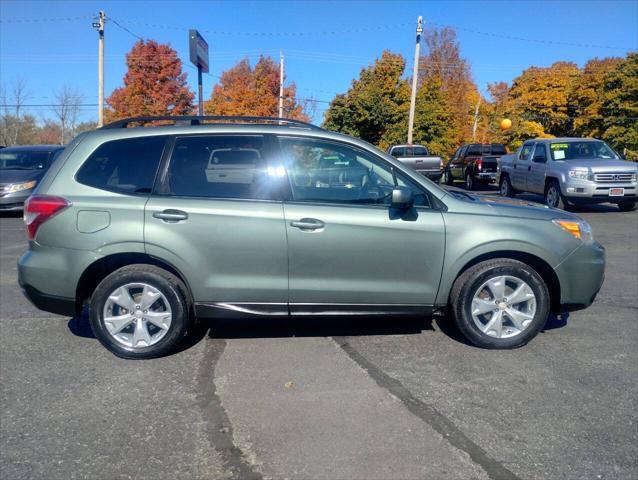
{"x": 201, "y": 120}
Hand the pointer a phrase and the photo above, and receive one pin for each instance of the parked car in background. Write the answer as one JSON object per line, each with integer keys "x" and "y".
{"x": 570, "y": 171}
{"x": 153, "y": 226}
{"x": 21, "y": 168}
{"x": 418, "y": 158}
{"x": 475, "y": 164}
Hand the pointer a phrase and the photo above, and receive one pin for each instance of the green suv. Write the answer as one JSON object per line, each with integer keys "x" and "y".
{"x": 154, "y": 227}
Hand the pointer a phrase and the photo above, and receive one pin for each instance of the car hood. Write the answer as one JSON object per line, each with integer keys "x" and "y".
{"x": 599, "y": 165}
{"x": 509, "y": 207}
{"x": 18, "y": 176}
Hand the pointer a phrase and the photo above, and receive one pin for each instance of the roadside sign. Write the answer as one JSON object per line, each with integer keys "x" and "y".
{"x": 198, "y": 48}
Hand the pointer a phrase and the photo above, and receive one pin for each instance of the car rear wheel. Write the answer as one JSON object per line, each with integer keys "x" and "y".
{"x": 553, "y": 196}
{"x": 500, "y": 304}
{"x": 506, "y": 188}
{"x": 139, "y": 311}
{"x": 627, "y": 206}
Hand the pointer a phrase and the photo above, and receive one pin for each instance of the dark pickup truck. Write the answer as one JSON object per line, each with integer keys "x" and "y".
{"x": 475, "y": 163}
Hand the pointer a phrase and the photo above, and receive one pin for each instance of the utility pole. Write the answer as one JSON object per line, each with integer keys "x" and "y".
{"x": 99, "y": 26}
{"x": 281, "y": 85}
{"x": 415, "y": 73}
{"x": 476, "y": 112}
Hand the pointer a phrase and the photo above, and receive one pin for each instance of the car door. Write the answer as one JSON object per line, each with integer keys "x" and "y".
{"x": 348, "y": 250}
{"x": 217, "y": 216}
{"x": 457, "y": 164}
{"x": 537, "y": 169}
{"x": 521, "y": 166}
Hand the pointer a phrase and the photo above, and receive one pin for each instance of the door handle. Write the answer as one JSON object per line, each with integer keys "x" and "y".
{"x": 171, "y": 215}
{"x": 529, "y": 169}
{"x": 308, "y": 224}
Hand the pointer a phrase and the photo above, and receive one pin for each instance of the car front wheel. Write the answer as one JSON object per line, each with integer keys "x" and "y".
{"x": 500, "y": 303}
{"x": 139, "y": 311}
{"x": 627, "y": 206}
{"x": 553, "y": 196}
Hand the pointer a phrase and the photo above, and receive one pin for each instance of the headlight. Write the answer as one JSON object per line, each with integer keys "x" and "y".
{"x": 581, "y": 174}
{"x": 18, "y": 187}
{"x": 578, "y": 228}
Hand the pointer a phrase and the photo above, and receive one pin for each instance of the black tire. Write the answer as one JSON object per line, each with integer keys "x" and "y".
{"x": 555, "y": 199}
{"x": 466, "y": 285}
{"x": 505, "y": 187}
{"x": 168, "y": 284}
{"x": 449, "y": 179}
{"x": 627, "y": 206}
{"x": 469, "y": 181}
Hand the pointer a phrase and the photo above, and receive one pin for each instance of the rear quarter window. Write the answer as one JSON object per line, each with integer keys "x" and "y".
{"x": 125, "y": 166}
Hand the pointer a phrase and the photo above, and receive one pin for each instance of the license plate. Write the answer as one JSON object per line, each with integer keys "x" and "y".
{"x": 616, "y": 192}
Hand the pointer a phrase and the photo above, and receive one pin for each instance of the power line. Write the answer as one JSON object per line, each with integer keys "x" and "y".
{"x": 124, "y": 28}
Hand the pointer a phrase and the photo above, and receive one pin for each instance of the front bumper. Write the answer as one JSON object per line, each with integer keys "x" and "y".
{"x": 14, "y": 202}
{"x": 582, "y": 191}
{"x": 581, "y": 276}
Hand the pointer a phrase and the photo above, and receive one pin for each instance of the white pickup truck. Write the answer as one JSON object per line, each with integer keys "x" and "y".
{"x": 570, "y": 171}
{"x": 418, "y": 158}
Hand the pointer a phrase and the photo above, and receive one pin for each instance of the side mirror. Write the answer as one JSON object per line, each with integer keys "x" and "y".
{"x": 402, "y": 198}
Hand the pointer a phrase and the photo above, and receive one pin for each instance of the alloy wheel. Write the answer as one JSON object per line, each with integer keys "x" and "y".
{"x": 503, "y": 306}
{"x": 137, "y": 315}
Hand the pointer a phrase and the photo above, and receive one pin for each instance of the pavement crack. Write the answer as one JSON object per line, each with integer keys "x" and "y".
{"x": 430, "y": 415}
{"x": 220, "y": 430}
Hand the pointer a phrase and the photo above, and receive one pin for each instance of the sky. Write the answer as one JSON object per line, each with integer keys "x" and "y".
{"x": 325, "y": 43}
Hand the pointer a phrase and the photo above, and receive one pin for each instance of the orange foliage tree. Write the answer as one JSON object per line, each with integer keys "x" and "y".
{"x": 243, "y": 90}
{"x": 153, "y": 85}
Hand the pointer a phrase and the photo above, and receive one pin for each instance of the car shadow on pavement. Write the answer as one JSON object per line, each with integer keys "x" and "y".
{"x": 281, "y": 327}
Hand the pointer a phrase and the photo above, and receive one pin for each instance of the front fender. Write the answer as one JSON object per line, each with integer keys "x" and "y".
{"x": 495, "y": 236}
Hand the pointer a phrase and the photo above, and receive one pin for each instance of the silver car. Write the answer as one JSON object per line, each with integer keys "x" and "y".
{"x": 570, "y": 171}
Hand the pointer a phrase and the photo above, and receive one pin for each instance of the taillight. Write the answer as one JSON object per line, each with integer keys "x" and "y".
{"x": 479, "y": 164}
{"x": 40, "y": 208}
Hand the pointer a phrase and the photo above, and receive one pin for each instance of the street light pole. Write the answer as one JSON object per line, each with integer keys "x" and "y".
{"x": 281, "y": 85}
{"x": 415, "y": 73}
{"x": 99, "y": 26}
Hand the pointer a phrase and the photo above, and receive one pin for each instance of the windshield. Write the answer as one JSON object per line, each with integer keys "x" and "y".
{"x": 582, "y": 150}
{"x": 23, "y": 160}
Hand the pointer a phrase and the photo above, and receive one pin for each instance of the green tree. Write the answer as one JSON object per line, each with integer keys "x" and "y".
{"x": 375, "y": 103}
{"x": 620, "y": 105}
{"x": 433, "y": 121}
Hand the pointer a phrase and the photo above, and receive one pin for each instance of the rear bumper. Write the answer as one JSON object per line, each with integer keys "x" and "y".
{"x": 48, "y": 303}
{"x": 487, "y": 177}
{"x": 431, "y": 174}
{"x": 581, "y": 276}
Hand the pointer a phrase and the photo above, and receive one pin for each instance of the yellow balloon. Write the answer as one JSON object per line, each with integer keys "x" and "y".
{"x": 506, "y": 124}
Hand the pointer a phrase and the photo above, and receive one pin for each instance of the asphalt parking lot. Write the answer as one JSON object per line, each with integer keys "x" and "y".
{"x": 331, "y": 399}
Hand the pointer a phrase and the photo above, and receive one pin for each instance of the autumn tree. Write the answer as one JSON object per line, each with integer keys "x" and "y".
{"x": 153, "y": 85}
{"x": 375, "y": 104}
{"x": 442, "y": 62}
{"x": 587, "y": 97}
{"x": 247, "y": 91}
{"x": 620, "y": 105}
{"x": 541, "y": 95}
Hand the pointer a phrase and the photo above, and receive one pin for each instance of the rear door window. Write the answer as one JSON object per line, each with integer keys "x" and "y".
{"x": 125, "y": 166}
{"x": 526, "y": 151}
{"x": 223, "y": 166}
